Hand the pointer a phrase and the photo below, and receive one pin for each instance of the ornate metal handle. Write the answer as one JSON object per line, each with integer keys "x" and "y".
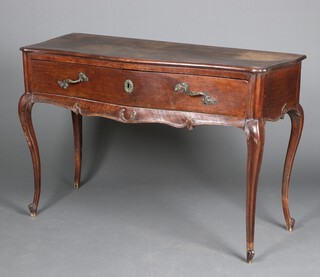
{"x": 65, "y": 83}
{"x": 184, "y": 88}
{"x": 124, "y": 118}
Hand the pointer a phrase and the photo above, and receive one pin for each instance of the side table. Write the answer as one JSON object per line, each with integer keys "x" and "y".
{"x": 182, "y": 85}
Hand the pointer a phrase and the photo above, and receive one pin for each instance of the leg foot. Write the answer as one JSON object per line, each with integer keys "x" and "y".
{"x": 250, "y": 256}
{"x": 254, "y": 130}
{"x": 77, "y": 133}
{"x": 291, "y": 226}
{"x": 75, "y": 185}
{"x": 297, "y": 118}
{"x": 33, "y": 209}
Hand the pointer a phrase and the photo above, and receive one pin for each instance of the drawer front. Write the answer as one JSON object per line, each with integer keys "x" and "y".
{"x": 168, "y": 91}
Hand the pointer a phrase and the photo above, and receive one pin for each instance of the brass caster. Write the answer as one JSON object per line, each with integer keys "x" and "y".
{"x": 33, "y": 209}
{"x": 250, "y": 255}
{"x": 292, "y": 223}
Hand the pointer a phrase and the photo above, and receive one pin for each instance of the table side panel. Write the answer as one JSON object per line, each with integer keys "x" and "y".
{"x": 281, "y": 91}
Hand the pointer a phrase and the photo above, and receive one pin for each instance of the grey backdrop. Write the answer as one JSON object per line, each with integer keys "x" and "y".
{"x": 156, "y": 201}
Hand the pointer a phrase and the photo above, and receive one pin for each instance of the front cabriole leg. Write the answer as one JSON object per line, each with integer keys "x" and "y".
{"x": 297, "y": 118}
{"x": 254, "y": 130}
{"x": 25, "y": 107}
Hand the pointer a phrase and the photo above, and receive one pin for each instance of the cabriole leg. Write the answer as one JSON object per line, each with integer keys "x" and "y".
{"x": 297, "y": 118}
{"x": 25, "y": 107}
{"x": 77, "y": 132}
{"x": 254, "y": 130}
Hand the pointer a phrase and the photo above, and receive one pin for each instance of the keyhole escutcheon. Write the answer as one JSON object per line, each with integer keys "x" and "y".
{"x": 128, "y": 86}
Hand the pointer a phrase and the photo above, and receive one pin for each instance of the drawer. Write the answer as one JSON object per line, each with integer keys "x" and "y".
{"x": 168, "y": 91}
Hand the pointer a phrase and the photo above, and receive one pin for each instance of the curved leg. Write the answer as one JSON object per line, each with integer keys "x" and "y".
{"x": 25, "y": 107}
{"x": 254, "y": 130}
{"x": 297, "y": 118}
{"x": 77, "y": 132}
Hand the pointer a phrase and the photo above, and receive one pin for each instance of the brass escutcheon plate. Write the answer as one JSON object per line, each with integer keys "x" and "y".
{"x": 128, "y": 86}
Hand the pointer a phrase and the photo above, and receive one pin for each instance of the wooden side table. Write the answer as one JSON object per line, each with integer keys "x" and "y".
{"x": 182, "y": 85}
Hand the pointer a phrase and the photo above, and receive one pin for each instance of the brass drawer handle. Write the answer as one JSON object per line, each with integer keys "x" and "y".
{"x": 184, "y": 88}
{"x": 65, "y": 83}
{"x": 123, "y": 117}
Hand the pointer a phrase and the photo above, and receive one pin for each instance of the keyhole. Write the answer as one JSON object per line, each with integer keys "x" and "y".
{"x": 128, "y": 86}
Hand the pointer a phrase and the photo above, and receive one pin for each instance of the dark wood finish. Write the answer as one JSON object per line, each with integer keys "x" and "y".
{"x": 254, "y": 129}
{"x": 297, "y": 118}
{"x": 283, "y": 91}
{"x": 159, "y": 93}
{"x": 25, "y": 107}
{"x": 163, "y": 53}
{"x": 245, "y": 89}
{"x": 77, "y": 133}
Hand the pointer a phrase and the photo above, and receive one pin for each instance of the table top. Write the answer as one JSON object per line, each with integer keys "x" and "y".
{"x": 165, "y": 53}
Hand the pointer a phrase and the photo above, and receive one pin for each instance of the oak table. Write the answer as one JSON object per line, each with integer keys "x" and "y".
{"x": 182, "y": 85}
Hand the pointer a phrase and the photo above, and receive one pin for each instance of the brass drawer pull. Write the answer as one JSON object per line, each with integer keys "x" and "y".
{"x": 123, "y": 117}
{"x": 65, "y": 83}
{"x": 184, "y": 88}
